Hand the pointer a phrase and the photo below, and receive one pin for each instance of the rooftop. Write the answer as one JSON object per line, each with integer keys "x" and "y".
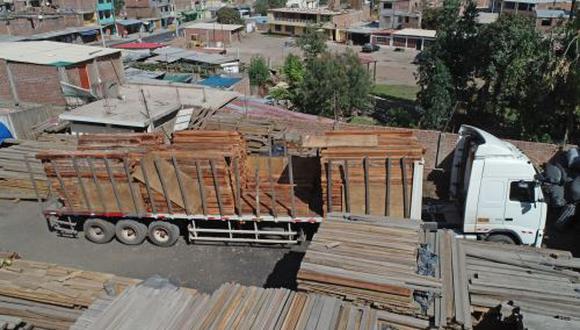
{"x": 139, "y": 45}
{"x": 415, "y": 33}
{"x": 130, "y": 111}
{"x": 173, "y": 54}
{"x": 319, "y": 10}
{"x": 51, "y": 53}
{"x": 551, "y": 13}
{"x": 212, "y": 26}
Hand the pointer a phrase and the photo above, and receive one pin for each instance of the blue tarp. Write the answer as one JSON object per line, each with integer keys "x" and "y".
{"x": 220, "y": 82}
{"x": 88, "y": 33}
{"x": 4, "y": 133}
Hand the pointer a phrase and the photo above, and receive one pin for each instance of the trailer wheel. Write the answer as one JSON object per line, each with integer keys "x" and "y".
{"x": 501, "y": 238}
{"x": 163, "y": 234}
{"x": 130, "y": 232}
{"x": 99, "y": 231}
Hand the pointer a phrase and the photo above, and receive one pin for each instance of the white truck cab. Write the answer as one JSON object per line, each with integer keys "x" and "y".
{"x": 497, "y": 187}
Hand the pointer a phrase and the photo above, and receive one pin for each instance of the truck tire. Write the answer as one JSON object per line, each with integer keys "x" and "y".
{"x": 130, "y": 232}
{"x": 163, "y": 234}
{"x": 99, "y": 231}
{"x": 501, "y": 238}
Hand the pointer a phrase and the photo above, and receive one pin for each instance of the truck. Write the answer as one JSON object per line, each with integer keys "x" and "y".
{"x": 495, "y": 192}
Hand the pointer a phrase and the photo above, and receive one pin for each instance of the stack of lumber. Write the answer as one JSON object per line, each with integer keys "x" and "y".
{"x": 49, "y": 296}
{"x": 370, "y": 262}
{"x": 282, "y": 190}
{"x": 480, "y": 278}
{"x": 200, "y": 172}
{"x": 368, "y": 172}
{"x": 17, "y": 163}
{"x": 232, "y": 306}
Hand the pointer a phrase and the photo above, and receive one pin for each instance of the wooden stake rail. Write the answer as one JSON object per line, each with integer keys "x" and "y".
{"x": 375, "y": 180}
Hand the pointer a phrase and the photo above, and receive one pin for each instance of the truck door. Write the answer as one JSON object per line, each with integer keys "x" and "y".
{"x": 523, "y": 212}
{"x": 491, "y": 204}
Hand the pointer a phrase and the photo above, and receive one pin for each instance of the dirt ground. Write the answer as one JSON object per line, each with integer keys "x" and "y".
{"x": 392, "y": 67}
{"x": 199, "y": 266}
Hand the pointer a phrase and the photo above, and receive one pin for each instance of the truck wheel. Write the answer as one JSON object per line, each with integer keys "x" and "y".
{"x": 99, "y": 231}
{"x": 501, "y": 238}
{"x": 163, "y": 234}
{"x": 130, "y": 232}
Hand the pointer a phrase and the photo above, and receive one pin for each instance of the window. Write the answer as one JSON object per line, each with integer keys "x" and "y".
{"x": 522, "y": 6}
{"x": 387, "y": 5}
{"x": 522, "y": 191}
{"x": 509, "y": 5}
{"x": 277, "y": 28}
{"x": 406, "y": 19}
{"x": 546, "y": 22}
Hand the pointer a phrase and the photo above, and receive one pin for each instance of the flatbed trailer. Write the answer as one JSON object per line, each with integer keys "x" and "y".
{"x": 164, "y": 191}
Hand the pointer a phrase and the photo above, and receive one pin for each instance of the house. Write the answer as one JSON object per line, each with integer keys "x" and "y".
{"x": 212, "y": 33}
{"x": 396, "y": 14}
{"x": 406, "y": 38}
{"x": 144, "y": 108}
{"x": 21, "y": 120}
{"x": 161, "y": 13}
{"x": 547, "y": 19}
{"x": 214, "y": 63}
{"x": 106, "y": 13}
{"x": 293, "y": 21}
{"x": 55, "y": 73}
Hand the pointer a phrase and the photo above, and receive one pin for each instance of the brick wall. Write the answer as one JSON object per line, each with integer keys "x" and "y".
{"x": 43, "y": 80}
{"x": 211, "y": 35}
{"x": 137, "y": 12}
{"x": 138, "y": 4}
{"x": 4, "y": 83}
{"x": 76, "y": 5}
{"x": 20, "y": 26}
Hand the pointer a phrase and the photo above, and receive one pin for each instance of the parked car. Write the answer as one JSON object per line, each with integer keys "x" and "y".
{"x": 369, "y": 48}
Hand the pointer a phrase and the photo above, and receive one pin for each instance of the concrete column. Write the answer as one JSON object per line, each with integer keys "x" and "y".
{"x": 13, "y": 90}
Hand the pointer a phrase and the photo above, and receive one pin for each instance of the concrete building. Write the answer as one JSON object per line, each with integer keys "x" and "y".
{"x": 548, "y": 19}
{"x": 106, "y": 13}
{"x": 293, "y": 21}
{"x": 46, "y": 72}
{"x": 547, "y": 13}
{"x": 212, "y": 33}
{"x": 406, "y": 38}
{"x": 145, "y": 108}
{"x": 160, "y": 13}
{"x": 397, "y": 14}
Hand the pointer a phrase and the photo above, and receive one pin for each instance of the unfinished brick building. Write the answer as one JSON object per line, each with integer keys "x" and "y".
{"x": 46, "y": 72}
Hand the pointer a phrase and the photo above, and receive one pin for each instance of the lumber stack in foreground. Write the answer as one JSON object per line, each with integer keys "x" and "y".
{"x": 155, "y": 304}
{"x": 484, "y": 281}
{"x": 49, "y": 296}
{"x": 370, "y": 262}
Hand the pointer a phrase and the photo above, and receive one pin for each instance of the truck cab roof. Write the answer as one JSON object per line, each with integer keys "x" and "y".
{"x": 491, "y": 146}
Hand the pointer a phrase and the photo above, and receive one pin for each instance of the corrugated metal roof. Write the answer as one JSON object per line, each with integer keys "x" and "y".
{"x": 51, "y": 53}
{"x": 212, "y": 26}
{"x": 551, "y": 13}
{"x": 173, "y": 54}
{"x": 415, "y": 33}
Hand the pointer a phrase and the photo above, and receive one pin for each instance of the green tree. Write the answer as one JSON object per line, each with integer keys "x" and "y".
{"x": 436, "y": 96}
{"x": 119, "y": 5}
{"x": 261, "y": 6}
{"x": 431, "y": 17}
{"x": 334, "y": 85}
{"x": 229, "y": 15}
{"x": 293, "y": 69}
{"x": 312, "y": 42}
{"x": 258, "y": 71}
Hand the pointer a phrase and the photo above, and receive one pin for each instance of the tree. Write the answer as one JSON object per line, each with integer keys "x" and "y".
{"x": 119, "y": 5}
{"x": 436, "y": 96}
{"x": 431, "y": 17}
{"x": 293, "y": 69}
{"x": 333, "y": 85}
{"x": 229, "y": 15}
{"x": 258, "y": 71}
{"x": 261, "y": 6}
{"x": 312, "y": 42}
